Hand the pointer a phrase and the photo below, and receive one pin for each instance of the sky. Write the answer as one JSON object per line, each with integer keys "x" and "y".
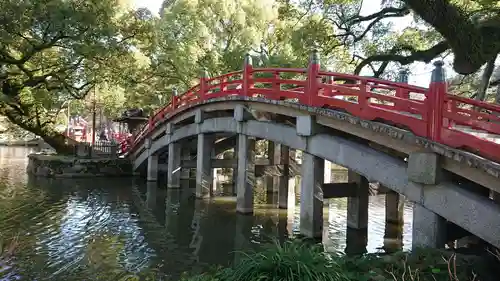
{"x": 420, "y": 72}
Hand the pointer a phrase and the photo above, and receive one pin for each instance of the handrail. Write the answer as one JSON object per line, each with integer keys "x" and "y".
{"x": 431, "y": 112}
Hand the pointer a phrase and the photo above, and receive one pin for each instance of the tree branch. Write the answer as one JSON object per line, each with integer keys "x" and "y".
{"x": 416, "y": 55}
{"x": 473, "y": 44}
{"x": 485, "y": 79}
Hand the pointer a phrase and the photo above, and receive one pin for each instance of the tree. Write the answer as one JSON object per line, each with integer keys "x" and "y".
{"x": 470, "y": 29}
{"x": 215, "y": 35}
{"x": 54, "y": 51}
{"x": 479, "y": 85}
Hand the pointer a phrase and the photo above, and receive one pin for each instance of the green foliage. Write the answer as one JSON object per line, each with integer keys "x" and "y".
{"x": 54, "y": 51}
{"x": 290, "y": 261}
{"x": 296, "y": 260}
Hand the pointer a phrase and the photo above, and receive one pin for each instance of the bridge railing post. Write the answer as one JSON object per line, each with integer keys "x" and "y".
{"x": 435, "y": 101}
{"x": 312, "y": 84}
{"x": 202, "y": 95}
{"x": 247, "y": 76}
{"x": 329, "y": 81}
{"x": 151, "y": 121}
{"x": 174, "y": 98}
{"x": 400, "y": 92}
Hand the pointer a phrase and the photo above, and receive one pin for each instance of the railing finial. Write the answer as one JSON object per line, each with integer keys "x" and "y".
{"x": 248, "y": 59}
{"x": 174, "y": 92}
{"x": 438, "y": 74}
{"x": 314, "y": 59}
{"x": 403, "y": 75}
{"x": 204, "y": 73}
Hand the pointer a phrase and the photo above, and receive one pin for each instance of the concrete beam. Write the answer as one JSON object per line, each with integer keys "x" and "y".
{"x": 241, "y": 114}
{"x": 340, "y": 190}
{"x": 199, "y": 116}
{"x": 424, "y": 168}
{"x": 348, "y": 189}
{"x": 306, "y": 125}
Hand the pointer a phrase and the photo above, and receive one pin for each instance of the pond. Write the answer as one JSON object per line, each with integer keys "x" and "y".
{"x": 112, "y": 229}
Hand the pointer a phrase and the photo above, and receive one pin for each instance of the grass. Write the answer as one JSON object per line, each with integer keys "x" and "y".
{"x": 296, "y": 260}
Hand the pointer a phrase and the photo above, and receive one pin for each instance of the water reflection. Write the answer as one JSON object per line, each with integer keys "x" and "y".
{"x": 109, "y": 229}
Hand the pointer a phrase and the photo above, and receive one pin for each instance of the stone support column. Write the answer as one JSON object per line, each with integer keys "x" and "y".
{"x": 394, "y": 207}
{"x": 282, "y": 157}
{"x": 152, "y": 169}
{"x": 151, "y": 195}
{"x": 173, "y": 160}
{"x": 429, "y": 229}
{"x": 269, "y": 179}
{"x": 174, "y": 165}
{"x": 311, "y": 192}
{"x": 328, "y": 172}
{"x": 311, "y": 196}
{"x": 204, "y": 173}
{"x": 394, "y": 211}
{"x": 235, "y": 170}
{"x": 357, "y": 207}
{"x": 245, "y": 181}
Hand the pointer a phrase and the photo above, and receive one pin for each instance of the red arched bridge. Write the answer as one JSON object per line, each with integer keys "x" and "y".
{"x": 439, "y": 150}
{"x": 431, "y": 112}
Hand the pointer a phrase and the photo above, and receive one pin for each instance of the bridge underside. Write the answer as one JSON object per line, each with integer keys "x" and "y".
{"x": 444, "y": 188}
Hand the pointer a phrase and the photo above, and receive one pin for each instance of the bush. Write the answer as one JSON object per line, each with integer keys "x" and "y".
{"x": 296, "y": 260}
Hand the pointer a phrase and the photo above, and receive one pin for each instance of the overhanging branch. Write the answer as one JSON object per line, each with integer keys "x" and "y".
{"x": 423, "y": 56}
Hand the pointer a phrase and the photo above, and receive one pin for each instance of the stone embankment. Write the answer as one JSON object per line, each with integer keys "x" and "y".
{"x": 60, "y": 166}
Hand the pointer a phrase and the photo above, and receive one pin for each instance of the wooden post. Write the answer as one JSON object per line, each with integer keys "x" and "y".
{"x": 312, "y": 85}
{"x": 150, "y": 123}
{"x": 203, "y": 85}
{"x": 328, "y": 81}
{"x": 435, "y": 101}
{"x": 247, "y": 76}
{"x": 174, "y": 98}
{"x": 402, "y": 93}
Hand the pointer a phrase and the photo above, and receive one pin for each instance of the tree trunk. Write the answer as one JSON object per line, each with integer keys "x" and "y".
{"x": 485, "y": 79}
{"x": 497, "y": 96}
{"x": 58, "y": 141}
{"x": 47, "y": 132}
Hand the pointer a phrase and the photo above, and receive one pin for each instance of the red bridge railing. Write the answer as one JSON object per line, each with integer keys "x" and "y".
{"x": 427, "y": 112}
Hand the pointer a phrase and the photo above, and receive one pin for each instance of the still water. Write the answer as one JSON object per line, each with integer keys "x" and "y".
{"x": 98, "y": 229}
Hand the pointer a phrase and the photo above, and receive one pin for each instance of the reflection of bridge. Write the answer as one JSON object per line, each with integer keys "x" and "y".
{"x": 438, "y": 150}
